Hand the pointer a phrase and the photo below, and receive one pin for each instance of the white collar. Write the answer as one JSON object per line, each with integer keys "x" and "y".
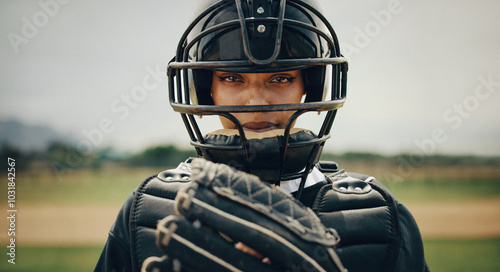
{"x": 291, "y": 186}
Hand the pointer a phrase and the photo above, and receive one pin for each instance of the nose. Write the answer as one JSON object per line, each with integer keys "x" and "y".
{"x": 257, "y": 94}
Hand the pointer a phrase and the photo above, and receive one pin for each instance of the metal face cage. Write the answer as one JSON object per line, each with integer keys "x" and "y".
{"x": 250, "y": 21}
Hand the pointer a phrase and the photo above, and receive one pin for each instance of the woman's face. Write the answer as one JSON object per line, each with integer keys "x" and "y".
{"x": 245, "y": 89}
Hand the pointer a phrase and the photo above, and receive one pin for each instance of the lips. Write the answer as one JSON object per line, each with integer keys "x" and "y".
{"x": 260, "y": 126}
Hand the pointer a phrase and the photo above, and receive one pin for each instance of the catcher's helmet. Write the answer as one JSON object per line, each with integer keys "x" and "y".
{"x": 259, "y": 36}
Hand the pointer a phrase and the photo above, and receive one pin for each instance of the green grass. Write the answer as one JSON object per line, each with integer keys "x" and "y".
{"x": 80, "y": 186}
{"x": 463, "y": 255}
{"x": 113, "y": 184}
{"x": 445, "y": 190}
{"x": 53, "y": 259}
{"x": 442, "y": 256}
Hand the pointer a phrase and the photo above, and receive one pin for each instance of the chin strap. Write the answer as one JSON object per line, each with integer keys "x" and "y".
{"x": 303, "y": 181}
{"x": 312, "y": 160}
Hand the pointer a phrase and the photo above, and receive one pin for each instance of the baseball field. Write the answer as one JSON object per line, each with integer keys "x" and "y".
{"x": 61, "y": 222}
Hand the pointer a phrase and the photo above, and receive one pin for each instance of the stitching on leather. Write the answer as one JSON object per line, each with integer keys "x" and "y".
{"x": 133, "y": 227}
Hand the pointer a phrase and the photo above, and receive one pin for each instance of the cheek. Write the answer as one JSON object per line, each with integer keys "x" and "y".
{"x": 226, "y": 97}
{"x": 298, "y": 96}
{"x": 217, "y": 95}
{"x": 291, "y": 95}
{"x": 298, "y": 93}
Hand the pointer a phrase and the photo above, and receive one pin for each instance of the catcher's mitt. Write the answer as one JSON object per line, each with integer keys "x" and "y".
{"x": 224, "y": 206}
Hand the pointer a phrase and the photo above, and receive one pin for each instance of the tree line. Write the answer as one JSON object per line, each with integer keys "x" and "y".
{"x": 63, "y": 155}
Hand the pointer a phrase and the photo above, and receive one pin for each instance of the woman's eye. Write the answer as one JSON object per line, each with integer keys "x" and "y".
{"x": 282, "y": 79}
{"x": 229, "y": 79}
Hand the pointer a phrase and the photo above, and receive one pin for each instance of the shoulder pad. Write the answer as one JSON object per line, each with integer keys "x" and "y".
{"x": 154, "y": 200}
{"x": 365, "y": 216}
{"x": 181, "y": 173}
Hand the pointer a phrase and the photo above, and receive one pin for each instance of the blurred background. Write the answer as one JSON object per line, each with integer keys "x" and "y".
{"x": 84, "y": 112}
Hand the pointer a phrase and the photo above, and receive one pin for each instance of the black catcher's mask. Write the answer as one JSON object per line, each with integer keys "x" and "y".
{"x": 259, "y": 36}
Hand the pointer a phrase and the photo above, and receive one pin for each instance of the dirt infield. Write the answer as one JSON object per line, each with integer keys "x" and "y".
{"x": 465, "y": 219}
{"x": 88, "y": 225}
{"x": 53, "y": 225}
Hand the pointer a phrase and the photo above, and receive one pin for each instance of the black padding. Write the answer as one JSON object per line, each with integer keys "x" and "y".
{"x": 264, "y": 155}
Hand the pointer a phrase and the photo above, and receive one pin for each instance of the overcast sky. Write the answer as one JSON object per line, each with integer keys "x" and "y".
{"x": 424, "y": 75}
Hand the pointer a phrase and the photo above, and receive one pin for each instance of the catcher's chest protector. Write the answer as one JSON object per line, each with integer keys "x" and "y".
{"x": 364, "y": 213}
